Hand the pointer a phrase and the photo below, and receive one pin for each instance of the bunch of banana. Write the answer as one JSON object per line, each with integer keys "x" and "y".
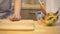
{"x": 50, "y": 18}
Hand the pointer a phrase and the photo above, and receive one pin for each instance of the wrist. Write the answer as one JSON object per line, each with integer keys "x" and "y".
{"x": 17, "y": 13}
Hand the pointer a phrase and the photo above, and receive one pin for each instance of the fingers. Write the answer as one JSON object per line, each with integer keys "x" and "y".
{"x": 15, "y": 17}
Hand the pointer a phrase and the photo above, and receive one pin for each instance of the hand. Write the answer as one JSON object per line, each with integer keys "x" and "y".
{"x": 15, "y": 17}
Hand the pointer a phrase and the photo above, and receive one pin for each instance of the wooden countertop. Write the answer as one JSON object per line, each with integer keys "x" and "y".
{"x": 39, "y": 29}
{"x": 17, "y": 25}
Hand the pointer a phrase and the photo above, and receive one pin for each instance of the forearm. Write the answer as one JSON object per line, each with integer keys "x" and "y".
{"x": 42, "y": 7}
{"x": 17, "y": 6}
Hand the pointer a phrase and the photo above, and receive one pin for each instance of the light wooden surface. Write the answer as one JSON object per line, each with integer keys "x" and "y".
{"x": 39, "y": 29}
{"x": 30, "y": 6}
{"x": 17, "y": 25}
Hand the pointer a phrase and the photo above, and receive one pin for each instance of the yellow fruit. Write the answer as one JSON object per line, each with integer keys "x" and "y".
{"x": 50, "y": 19}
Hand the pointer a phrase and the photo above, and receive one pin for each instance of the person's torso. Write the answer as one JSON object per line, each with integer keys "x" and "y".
{"x": 5, "y": 5}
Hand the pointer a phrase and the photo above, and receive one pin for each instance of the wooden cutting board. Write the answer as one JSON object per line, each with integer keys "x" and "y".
{"x": 6, "y": 24}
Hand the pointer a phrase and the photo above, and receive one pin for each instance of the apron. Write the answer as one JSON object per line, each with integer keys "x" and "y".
{"x": 5, "y": 6}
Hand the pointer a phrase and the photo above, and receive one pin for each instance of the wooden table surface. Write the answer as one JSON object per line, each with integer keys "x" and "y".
{"x": 39, "y": 29}
{"x": 6, "y": 24}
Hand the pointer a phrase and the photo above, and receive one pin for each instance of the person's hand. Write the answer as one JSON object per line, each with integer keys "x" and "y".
{"x": 15, "y": 17}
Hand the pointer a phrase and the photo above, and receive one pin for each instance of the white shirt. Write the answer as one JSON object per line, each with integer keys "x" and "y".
{"x": 52, "y": 5}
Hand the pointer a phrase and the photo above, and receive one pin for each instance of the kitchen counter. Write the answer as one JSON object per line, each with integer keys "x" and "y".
{"x": 38, "y": 29}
